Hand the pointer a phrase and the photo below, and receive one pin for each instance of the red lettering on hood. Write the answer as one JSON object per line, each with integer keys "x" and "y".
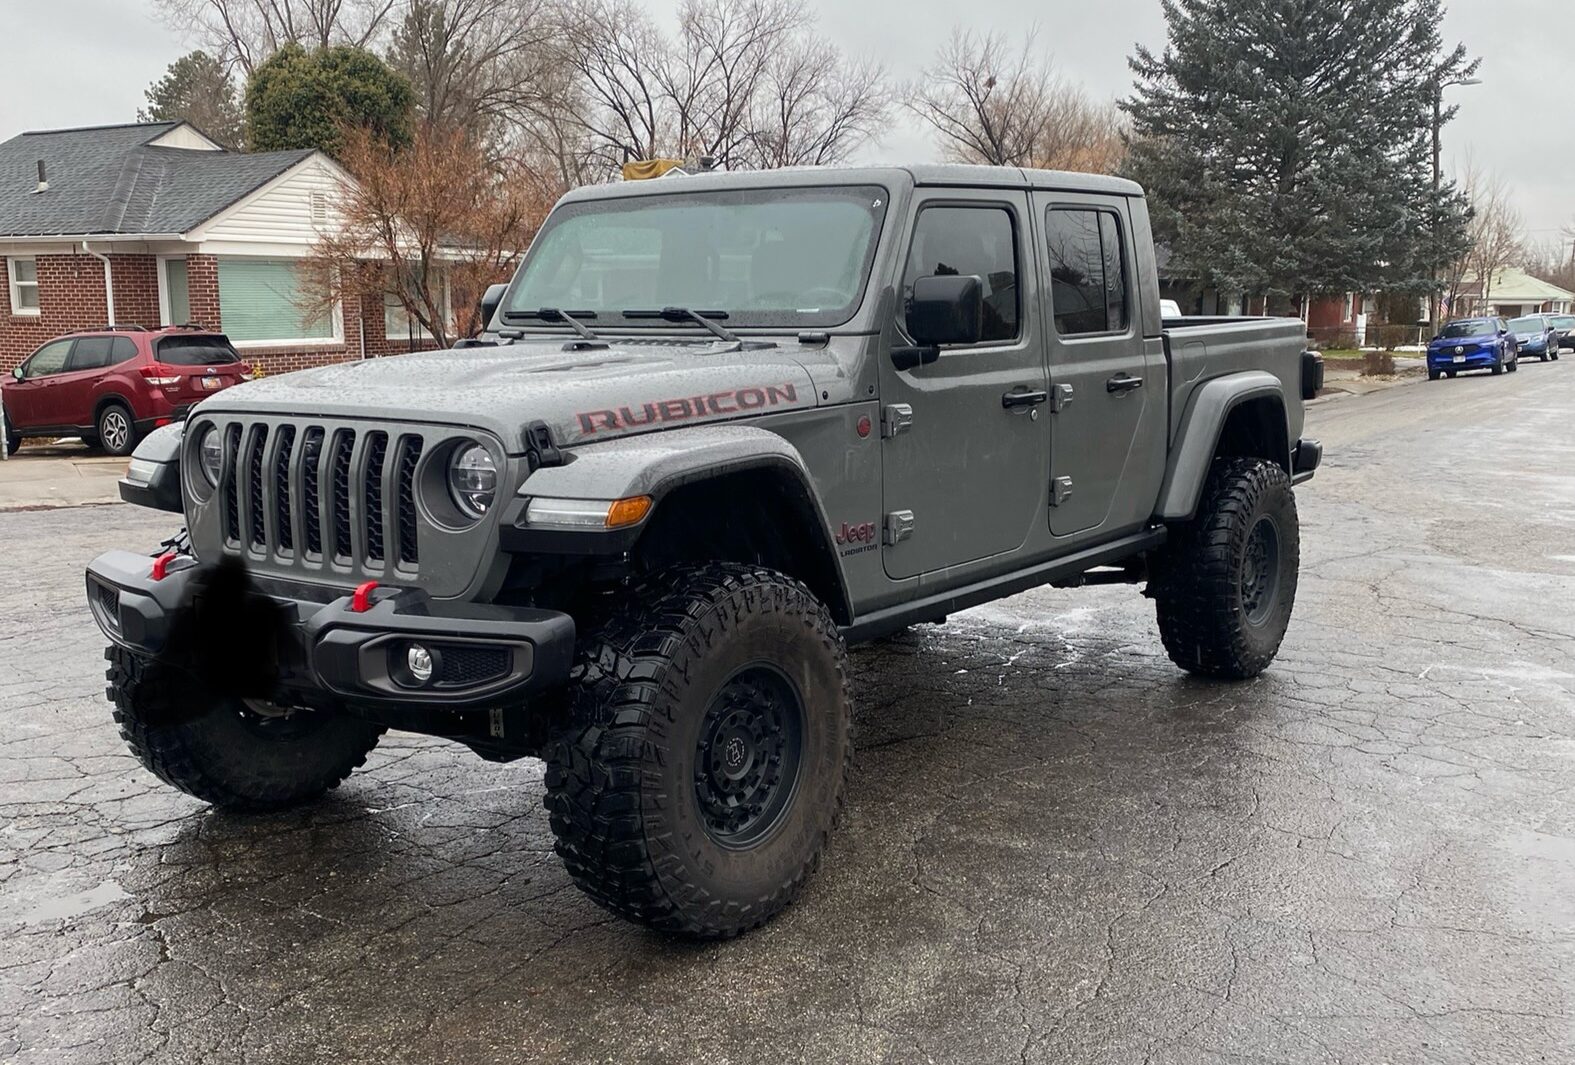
{"x": 686, "y": 408}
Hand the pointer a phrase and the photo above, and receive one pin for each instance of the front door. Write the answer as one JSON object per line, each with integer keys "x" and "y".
{"x": 1103, "y": 377}
{"x": 30, "y": 401}
{"x": 966, "y": 450}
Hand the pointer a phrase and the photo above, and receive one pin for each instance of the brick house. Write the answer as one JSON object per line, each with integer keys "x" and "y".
{"x": 155, "y": 224}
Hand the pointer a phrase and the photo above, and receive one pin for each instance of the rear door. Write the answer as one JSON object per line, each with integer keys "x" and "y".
{"x": 1107, "y": 382}
{"x": 964, "y": 466}
{"x": 76, "y": 390}
{"x": 29, "y": 401}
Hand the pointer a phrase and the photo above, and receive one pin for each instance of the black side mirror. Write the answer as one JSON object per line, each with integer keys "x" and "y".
{"x": 942, "y": 310}
{"x": 490, "y": 301}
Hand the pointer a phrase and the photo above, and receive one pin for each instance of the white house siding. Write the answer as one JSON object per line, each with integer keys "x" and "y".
{"x": 284, "y": 219}
{"x": 184, "y": 136}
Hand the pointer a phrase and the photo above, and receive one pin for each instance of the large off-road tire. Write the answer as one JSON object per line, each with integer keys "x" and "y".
{"x": 1225, "y": 584}
{"x": 228, "y": 753}
{"x": 707, "y": 752}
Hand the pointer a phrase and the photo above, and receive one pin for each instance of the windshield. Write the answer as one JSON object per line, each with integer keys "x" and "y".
{"x": 1474, "y": 328}
{"x": 1526, "y": 325}
{"x": 789, "y": 258}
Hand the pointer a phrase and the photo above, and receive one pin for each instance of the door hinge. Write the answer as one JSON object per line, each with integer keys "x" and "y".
{"x": 1060, "y": 491}
{"x": 895, "y": 418}
{"x": 899, "y": 527}
{"x": 1060, "y": 398}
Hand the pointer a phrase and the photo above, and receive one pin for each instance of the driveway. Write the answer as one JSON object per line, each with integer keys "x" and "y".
{"x": 1057, "y": 848}
{"x": 64, "y": 474}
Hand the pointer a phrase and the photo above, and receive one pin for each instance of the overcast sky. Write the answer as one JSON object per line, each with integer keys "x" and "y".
{"x": 87, "y": 62}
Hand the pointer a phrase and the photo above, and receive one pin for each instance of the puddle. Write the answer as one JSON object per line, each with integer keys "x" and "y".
{"x": 65, "y": 907}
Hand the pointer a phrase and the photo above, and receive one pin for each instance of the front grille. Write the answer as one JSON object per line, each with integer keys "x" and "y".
{"x": 321, "y": 495}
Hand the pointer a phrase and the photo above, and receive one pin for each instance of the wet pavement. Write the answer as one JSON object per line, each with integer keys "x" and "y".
{"x": 1057, "y": 847}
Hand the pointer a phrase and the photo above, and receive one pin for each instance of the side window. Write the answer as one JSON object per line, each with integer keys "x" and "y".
{"x": 1088, "y": 271}
{"x": 970, "y": 240}
{"x": 50, "y": 359}
{"x": 124, "y": 348}
{"x": 91, "y": 353}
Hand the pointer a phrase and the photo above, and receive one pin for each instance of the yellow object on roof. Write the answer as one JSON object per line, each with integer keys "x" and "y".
{"x": 644, "y": 169}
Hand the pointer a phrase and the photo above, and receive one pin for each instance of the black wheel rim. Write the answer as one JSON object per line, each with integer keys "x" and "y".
{"x": 1260, "y": 571}
{"x": 747, "y": 756}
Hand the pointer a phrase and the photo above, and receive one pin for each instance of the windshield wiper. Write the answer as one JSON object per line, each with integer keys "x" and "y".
{"x": 705, "y": 319}
{"x": 568, "y": 318}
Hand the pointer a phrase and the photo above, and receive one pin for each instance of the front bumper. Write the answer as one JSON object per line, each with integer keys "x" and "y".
{"x": 482, "y": 654}
{"x": 1472, "y": 360}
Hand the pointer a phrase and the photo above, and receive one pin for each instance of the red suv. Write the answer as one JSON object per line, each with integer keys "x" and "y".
{"x": 110, "y": 386}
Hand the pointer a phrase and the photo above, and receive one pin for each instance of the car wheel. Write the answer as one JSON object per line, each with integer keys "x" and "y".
{"x": 708, "y": 750}
{"x": 1225, "y": 584}
{"x": 117, "y": 433}
{"x": 13, "y": 438}
{"x": 1433, "y": 375}
{"x": 1498, "y": 362}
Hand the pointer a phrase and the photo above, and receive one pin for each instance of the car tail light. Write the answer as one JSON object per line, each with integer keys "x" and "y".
{"x": 159, "y": 374}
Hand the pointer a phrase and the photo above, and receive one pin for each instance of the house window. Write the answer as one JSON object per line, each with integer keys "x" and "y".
{"x": 177, "y": 292}
{"x": 399, "y": 324}
{"x": 263, "y": 301}
{"x": 24, "y": 285}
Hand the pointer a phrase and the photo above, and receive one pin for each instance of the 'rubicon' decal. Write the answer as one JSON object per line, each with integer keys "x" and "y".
{"x": 686, "y": 408}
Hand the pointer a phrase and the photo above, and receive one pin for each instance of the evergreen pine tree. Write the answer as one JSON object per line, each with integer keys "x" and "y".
{"x": 1285, "y": 144}
{"x": 197, "y": 89}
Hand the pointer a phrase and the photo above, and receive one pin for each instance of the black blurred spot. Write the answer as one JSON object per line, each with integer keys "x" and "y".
{"x": 227, "y": 640}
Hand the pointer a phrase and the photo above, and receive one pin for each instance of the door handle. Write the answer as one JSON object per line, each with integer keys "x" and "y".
{"x": 1016, "y": 399}
{"x": 1123, "y": 382}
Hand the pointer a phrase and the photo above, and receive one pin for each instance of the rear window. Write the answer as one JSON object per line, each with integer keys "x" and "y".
{"x": 197, "y": 351}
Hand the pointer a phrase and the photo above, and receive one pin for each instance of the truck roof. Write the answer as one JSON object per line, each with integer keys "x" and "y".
{"x": 918, "y": 174}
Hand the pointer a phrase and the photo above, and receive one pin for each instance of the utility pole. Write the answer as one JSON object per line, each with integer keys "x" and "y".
{"x": 1440, "y": 83}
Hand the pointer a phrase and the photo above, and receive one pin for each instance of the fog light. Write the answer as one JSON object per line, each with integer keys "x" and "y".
{"x": 419, "y": 661}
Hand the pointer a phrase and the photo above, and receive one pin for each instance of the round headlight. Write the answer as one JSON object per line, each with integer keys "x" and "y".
{"x": 210, "y": 455}
{"x": 473, "y": 480}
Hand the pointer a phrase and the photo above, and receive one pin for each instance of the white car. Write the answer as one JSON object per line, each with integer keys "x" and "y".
{"x": 1169, "y": 309}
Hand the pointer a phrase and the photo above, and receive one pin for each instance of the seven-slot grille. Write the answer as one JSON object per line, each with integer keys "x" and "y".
{"x": 321, "y": 494}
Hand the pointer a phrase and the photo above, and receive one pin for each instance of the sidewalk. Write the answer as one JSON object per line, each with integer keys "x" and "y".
{"x": 1340, "y": 382}
{"x": 58, "y": 475}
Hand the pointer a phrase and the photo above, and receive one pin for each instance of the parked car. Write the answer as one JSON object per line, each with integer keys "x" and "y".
{"x": 111, "y": 386}
{"x": 1169, "y": 309}
{"x": 1472, "y": 344}
{"x": 1565, "y": 324}
{"x": 1537, "y": 335}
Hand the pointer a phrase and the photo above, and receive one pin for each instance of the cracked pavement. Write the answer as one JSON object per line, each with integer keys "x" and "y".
{"x": 1057, "y": 847}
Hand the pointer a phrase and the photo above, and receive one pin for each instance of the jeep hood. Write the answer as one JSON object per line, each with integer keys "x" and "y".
{"x": 631, "y": 387}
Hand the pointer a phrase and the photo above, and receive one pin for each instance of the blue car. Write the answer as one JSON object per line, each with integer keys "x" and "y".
{"x": 1536, "y": 334}
{"x": 1472, "y": 344}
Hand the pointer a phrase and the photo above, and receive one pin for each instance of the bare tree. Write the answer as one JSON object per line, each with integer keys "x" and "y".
{"x": 474, "y": 64}
{"x": 429, "y": 225}
{"x": 242, "y": 33}
{"x": 742, "y": 82}
{"x": 989, "y": 103}
{"x": 815, "y": 108}
{"x": 1496, "y": 239}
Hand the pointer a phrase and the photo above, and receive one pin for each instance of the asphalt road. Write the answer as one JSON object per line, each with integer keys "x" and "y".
{"x": 1057, "y": 847}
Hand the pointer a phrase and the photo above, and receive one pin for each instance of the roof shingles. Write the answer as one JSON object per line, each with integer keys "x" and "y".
{"x": 113, "y": 181}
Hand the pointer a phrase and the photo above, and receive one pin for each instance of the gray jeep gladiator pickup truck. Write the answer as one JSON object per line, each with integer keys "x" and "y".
{"x": 717, "y": 429}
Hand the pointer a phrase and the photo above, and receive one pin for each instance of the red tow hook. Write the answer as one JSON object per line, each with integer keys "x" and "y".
{"x": 361, "y": 600}
{"x": 161, "y": 565}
